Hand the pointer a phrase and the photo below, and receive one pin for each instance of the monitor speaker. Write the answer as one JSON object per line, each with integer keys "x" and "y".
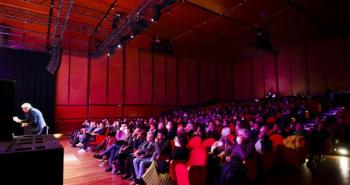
{"x": 7, "y": 91}
{"x": 32, "y": 159}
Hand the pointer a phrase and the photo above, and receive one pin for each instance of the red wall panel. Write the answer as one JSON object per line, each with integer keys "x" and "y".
{"x": 159, "y": 79}
{"x": 78, "y": 80}
{"x": 62, "y": 82}
{"x": 98, "y": 112}
{"x": 335, "y": 66}
{"x": 224, "y": 81}
{"x": 258, "y": 77}
{"x": 183, "y": 82}
{"x": 193, "y": 82}
{"x": 137, "y": 111}
{"x": 211, "y": 80}
{"x": 229, "y": 81}
{"x": 283, "y": 70}
{"x": 115, "y": 79}
{"x": 237, "y": 80}
{"x": 246, "y": 77}
{"x": 203, "y": 85}
{"x": 98, "y": 81}
{"x": 221, "y": 81}
{"x": 269, "y": 71}
{"x": 70, "y": 112}
{"x": 171, "y": 92}
{"x": 132, "y": 76}
{"x": 316, "y": 67}
{"x": 145, "y": 77}
{"x": 297, "y": 57}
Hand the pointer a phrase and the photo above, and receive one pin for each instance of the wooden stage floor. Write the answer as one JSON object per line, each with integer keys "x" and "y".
{"x": 83, "y": 169}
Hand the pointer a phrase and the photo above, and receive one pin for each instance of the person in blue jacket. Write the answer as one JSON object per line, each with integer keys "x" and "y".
{"x": 33, "y": 118}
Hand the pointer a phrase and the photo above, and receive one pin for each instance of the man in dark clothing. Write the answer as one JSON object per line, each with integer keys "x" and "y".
{"x": 33, "y": 118}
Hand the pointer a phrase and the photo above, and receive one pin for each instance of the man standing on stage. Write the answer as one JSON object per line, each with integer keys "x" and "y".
{"x": 33, "y": 118}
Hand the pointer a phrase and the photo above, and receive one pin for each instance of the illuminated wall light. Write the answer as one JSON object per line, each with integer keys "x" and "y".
{"x": 343, "y": 151}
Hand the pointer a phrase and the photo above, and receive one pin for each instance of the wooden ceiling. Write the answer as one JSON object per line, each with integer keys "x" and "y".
{"x": 191, "y": 26}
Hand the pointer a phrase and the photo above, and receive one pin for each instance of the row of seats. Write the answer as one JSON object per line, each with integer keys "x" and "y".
{"x": 194, "y": 171}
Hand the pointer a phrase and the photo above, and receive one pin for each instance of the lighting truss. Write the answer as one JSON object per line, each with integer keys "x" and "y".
{"x": 122, "y": 30}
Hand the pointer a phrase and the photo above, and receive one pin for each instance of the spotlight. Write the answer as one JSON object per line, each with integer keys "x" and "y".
{"x": 111, "y": 51}
{"x": 115, "y": 21}
{"x": 119, "y": 46}
{"x": 156, "y": 12}
{"x": 139, "y": 26}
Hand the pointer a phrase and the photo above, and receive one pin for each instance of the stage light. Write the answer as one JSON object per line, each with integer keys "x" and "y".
{"x": 119, "y": 46}
{"x": 111, "y": 51}
{"x": 156, "y": 12}
{"x": 139, "y": 26}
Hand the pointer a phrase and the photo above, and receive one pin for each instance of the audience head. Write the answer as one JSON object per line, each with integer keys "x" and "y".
{"x": 242, "y": 135}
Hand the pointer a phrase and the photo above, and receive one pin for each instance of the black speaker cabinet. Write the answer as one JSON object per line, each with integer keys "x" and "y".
{"x": 31, "y": 160}
{"x": 7, "y": 91}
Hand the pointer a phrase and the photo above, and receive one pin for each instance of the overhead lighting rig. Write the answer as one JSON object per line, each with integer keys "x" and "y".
{"x": 125, "y": 28}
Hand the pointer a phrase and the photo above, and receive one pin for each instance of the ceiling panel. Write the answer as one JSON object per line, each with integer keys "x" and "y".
{"x": 218, "y": 6}
{"x": 191, "y": 25}
{"x": 253, "y": 12}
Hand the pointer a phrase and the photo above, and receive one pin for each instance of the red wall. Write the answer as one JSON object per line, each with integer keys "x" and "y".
{"x": 295, "y": 69}
{"x": 132, "y": 83}
{"x": 135, "y": 82}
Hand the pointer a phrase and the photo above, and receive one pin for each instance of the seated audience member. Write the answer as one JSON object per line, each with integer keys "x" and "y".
{"x": 233, "y": 170}
{"x": 158, "y": 172}
{"x": 147, "y": 145}
{"x": 264, "y": 143}
{"x": 143, "y": 159}
{"x": 137, "y": 139}
{"x": 211, "y": 131}
{"x": 189, "y": 129}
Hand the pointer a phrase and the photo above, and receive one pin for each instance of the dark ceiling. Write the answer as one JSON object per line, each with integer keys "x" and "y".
{"x": 229, "y": 27}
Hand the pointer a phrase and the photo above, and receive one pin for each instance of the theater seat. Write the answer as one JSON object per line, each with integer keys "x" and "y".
{"x": 208, "y": 142}
{"x": 194, "y": 142}
{"x": 194, "y": 172}
{"x": 276, "y": 140}
{"x": 172, "y": 171}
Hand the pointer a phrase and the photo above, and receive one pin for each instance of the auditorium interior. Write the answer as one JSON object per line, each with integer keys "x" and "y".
{"x": 166, "y": 92}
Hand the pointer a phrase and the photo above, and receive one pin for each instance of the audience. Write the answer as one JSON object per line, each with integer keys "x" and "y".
{"x": 245, "y": 129}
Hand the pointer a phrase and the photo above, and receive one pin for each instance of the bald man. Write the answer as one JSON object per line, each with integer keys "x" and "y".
{"x": 33, "y": 118}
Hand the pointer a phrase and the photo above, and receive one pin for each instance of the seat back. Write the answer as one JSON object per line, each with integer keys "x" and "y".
{"x": 276, "y": 140}
{"x": 208, "y": 142}
{"x": 198, "y": 157}
{"x": 194, "y": 142}
{"x": 194, "y": 172}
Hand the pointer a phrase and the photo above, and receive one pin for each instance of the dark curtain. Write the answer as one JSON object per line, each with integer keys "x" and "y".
{"x": 34, "y": 84}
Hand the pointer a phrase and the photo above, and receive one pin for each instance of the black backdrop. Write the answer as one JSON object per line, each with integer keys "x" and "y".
{"x": 34, "y": 84}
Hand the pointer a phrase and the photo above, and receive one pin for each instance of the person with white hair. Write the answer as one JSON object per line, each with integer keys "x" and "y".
{"x": 233, "y": 171}
{"x": 33, "y": 118}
